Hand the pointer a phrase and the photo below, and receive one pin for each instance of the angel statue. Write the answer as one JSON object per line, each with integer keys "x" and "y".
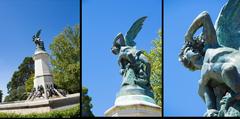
{"x": 134, "y": 66}
{"x": 216, "y": 53}
{"x": 39, "y": 43}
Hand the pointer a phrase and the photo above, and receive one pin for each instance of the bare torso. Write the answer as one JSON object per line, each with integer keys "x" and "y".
{"x": 212, "y": 80}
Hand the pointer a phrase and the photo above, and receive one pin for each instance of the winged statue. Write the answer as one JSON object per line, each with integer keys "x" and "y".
{"x": 134, "y": 65}
{"x": 215, "y": 51}
{"x": 37, "y": 40}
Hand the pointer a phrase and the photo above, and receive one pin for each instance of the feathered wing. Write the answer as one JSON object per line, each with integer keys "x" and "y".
{"x": 38, "y": 33}
{"x": 228, "y": 25}
{"x": 119, "y": 40}
{"x": 133, "y": 31}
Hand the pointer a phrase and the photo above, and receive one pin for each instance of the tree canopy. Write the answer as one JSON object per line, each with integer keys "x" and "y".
{"x": 86, "y": 103}
{"x": 16, "y": 86}
{"x": 155, "y": 58}
{"x": 65, "y": 59}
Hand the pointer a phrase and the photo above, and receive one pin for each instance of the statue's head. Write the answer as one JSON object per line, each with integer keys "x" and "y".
{"x": 117, "y": 43}
{"x": 192, "y": 54}
{"x": 116, "y": 49}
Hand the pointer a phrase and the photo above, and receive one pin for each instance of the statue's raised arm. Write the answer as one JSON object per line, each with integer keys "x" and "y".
{"x": 208, "y": 35}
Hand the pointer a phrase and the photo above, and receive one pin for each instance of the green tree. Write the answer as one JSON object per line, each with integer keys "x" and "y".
{"x": 29, "y": 83}
{"x": 155, "y": 58}
{"x": 16, "y": 86}
{"x": 86, "y": 103}
{"x": 65, "y": 59}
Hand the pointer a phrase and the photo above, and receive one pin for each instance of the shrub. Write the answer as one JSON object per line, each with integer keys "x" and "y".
{"x": 73, "y": 112}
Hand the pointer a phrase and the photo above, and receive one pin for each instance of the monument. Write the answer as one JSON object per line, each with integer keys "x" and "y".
{"x": 43, "y": 83}
{"x": 135, "y": 97}
{"x": 44, "y": 96}
{"x": 216, "y": 53}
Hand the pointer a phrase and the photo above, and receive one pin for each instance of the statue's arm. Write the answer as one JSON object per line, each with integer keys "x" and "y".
{"x": 209, "y": 33}
{"x": 122, "y": 69}
{"x": 206, "y": 92}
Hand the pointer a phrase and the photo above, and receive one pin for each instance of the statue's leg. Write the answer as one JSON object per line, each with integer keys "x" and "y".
{"x": 145, "y": 61}
{"x": 220, "y": 92}
{"x": 129, "y": 78}
{"x": 210, "y": 98}
{"x": 231, "y": 77}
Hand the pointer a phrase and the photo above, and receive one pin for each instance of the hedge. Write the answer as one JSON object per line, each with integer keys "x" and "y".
{"x": 73, "y": 112}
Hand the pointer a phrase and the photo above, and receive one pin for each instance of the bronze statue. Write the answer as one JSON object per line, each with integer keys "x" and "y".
{"x": 134, "y": 65}
{"x": 37, "y": 40}
{"x": 216, "y": 53}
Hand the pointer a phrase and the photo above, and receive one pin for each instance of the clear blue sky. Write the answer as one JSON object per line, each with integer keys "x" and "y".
{"x": 180, "y": 84}
{"x": 102, "y": 21}
{"x": 20, "y": 19}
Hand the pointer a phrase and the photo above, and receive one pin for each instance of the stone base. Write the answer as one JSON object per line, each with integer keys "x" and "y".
{"x": 40, "y": 106}
{"x": 134, "y": 105}
{"x": 135, "y": 99}
{"x": 137, "y": 110}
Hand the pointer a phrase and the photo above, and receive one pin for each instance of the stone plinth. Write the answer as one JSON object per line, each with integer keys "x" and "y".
{"x": 43, "y": 87}
{"x": 134, "y": 110}
{"x": 134, "y": 105}
{"x": 41, "y": 105}
{"x": 43, "y": 76}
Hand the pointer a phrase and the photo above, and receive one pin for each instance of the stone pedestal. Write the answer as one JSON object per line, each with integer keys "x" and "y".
{"x": 43, "y": 81}
{"x": 134, "y": 105}
{"x": 40, "y": 106}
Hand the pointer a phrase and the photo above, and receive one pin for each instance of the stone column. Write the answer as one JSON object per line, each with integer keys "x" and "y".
{"x": 43, "y": 81}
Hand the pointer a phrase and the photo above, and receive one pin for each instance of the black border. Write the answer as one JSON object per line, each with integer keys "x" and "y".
{"x": 80, "y": 58}
{"x": 162, "y": 57}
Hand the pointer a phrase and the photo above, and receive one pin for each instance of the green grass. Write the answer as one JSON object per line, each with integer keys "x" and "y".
{"x": 73, "y": 112}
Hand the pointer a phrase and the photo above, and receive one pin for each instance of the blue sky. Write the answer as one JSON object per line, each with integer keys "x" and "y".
{"x": 19, "y": 20}
{"x": 180, "y": 84}
{"x": 102, "y": 21}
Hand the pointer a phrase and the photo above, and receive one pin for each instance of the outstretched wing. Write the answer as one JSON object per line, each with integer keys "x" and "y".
{"x": 228, "y": 25}
{"x": 38, "y": 33}
{"x": 119, "y": 40}
{"x": 133, "y": 31}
